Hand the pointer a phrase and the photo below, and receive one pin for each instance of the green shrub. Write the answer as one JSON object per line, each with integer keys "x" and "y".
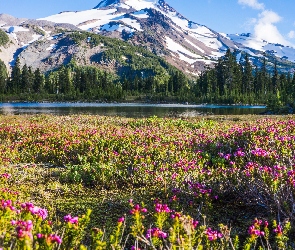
{"x": 4, "y": 39}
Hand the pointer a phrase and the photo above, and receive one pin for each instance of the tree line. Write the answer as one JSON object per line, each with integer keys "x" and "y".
{"x": 73, "y": 82}
{"x": 228, "y": 81}
{"x": 233, "y": 81}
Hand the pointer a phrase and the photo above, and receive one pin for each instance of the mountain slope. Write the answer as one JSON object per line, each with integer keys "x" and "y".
{"x": 160, "y": 28}
{"x": 154, "y": 25}
{"x": 24, "y": 32}
{"x": 84, "y": 48}
{"x": 278, "y": 50}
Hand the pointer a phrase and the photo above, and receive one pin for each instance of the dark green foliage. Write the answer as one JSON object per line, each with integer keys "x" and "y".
{"x": 138, "y": 74}
{"x": 143, "y": 76}
{"x": 3, "y": 78}
{"x": 231, "y": 82}
{"x": 132, "y": 61}
{"x": 15, "y": 80}
{"x": 38, "y": 83}
{"x": 4, "y": 39}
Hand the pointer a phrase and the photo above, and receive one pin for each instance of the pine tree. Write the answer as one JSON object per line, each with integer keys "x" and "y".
{"x": 15, "y": 81}
{"x": 65, "y": 81}
{"x": 77, "y": 79}
{"x": 229, "y": 63}
{"x": 247, "y": 77}
{"x": 25, "y": 85}
{"x": 293, "y": 89}
{"x": 263, "y": 73}
{"x": 51, "y": 83}
{"x": 31, "y": 77}
{"x": 38, "y": 81}
{"x": 220, "y": 77}
{"x": 3, "y": 78}
{"x": 237, "y": 82}
{"x": 275, "y": 79}
{"x": 256, "y": 82}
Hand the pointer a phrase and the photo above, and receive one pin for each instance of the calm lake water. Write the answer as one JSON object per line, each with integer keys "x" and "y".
{"x": 127, "y": 109}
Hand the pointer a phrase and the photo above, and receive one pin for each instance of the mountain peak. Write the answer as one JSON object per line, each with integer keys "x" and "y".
{"x": 106, "y": 3}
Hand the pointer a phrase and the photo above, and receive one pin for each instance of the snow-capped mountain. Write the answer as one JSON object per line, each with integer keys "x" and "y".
{"x": 154, "y": 25}
{"x": 278, "y": 50}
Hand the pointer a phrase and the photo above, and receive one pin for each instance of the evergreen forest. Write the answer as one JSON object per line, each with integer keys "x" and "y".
{"x": 228, "y": 82}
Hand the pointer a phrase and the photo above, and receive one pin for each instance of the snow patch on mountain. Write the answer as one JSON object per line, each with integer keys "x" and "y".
{"x": 51, "y": 47}
{"x": 35, "y": 38}
{"x": 133, "y": 23}
{"x": 284, "y": 52}
{"x": 195, "y": 46}
{"x": 248, "y": 41}
{"x": 14, "y": 36}
{"x": 14, "y": 29}
{"x": 141, "y": 4}
{"x": 141, "y": 14}
{"x": 278, "y": 50}
{"x": 110, "y": 27}
{"x": 183, "y": 53}
{"x": 101, "y": 19}
{"x": 75, "y": 18}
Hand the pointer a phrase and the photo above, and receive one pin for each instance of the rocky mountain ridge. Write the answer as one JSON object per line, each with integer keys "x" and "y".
{"x": 152, "y": 24}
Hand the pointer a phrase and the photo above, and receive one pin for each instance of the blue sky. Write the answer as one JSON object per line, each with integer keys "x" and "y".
{"x": 268, "y": 19}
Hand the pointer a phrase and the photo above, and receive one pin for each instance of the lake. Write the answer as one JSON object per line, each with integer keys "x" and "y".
{"x": 127, "y": 109}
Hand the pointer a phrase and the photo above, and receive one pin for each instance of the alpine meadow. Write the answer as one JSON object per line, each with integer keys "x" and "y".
{"x": 186, "y": 181}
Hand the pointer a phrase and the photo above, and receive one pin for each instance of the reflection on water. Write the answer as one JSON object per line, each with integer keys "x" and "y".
{"x": 127, "y": 109}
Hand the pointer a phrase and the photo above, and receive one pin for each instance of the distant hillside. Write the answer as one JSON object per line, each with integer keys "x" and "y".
{"x": 85, "y": 48}
{"x": 152, "y": 24}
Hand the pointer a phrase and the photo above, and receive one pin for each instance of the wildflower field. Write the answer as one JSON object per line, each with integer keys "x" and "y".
{"x": 92, "y": 182}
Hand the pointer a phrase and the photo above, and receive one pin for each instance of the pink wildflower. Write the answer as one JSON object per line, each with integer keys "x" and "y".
{"x": 24, "y": 229}
{"x": 155, "y": 232}
{"x": 122, "y": 219}
{"x": 137, "y": 209}
{"x": 162, "y": 208}
{"x": 278, "y": 230}
{"x": 7, "y": 204}
{"x": 5, "y": 175}
{"x": 71, "y": 220}
{"x": 213, "y": 235}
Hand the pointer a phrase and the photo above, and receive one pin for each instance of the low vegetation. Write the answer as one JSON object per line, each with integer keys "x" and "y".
{"x": 4, "y": 39}
{"x": 153, "y": 183}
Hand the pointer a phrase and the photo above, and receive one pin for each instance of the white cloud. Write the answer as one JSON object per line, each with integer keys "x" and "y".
{"x": 269, "y": 16}
{"x": 264, "y": 25}
{"x": 250, "y": 23}
{"x": 265, "y": 28}
{"x": 252, "y": 3}
{"x": 291, "y": 34}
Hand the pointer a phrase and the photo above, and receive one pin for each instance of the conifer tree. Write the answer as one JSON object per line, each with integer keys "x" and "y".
{"x": 247, "y": 76}
{"x": 15, "y": 80}
{"x": 31, "y": 79}
{"x": 293, "y": 89}
{"x": 220, "y": 77}
{"x": 65, "y": 81}
{"x": 3, "y": 78}
{"x": 77, "y": 79}
{"x": 275, "y": 79}
{"x": 25, "y": 85}
{"x": 38, "y": 81}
